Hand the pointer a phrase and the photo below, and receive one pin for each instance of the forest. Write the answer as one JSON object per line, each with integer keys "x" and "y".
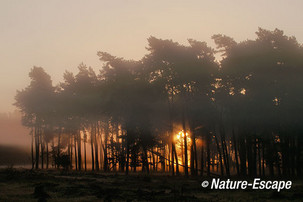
{"x": 178, "y": 110}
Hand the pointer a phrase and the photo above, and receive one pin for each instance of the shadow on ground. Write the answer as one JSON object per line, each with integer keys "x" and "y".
{"x": 53, "y": 185}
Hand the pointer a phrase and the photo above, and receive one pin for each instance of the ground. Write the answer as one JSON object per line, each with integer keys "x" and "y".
{"x": 54, "y": 185}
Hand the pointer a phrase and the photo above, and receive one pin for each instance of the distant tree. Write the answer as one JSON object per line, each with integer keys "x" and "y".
{"x": 36, "y": 104}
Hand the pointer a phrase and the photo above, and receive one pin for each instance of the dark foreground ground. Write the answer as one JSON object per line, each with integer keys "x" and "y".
{"x": 27, "y": 185}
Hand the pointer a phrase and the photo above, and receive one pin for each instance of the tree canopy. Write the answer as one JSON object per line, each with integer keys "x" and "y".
{"x": 177, "y": 107}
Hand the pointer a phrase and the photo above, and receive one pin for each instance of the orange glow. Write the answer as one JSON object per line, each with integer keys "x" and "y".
{"x": 179, "y": 141}
{"x": 181, "y": 134}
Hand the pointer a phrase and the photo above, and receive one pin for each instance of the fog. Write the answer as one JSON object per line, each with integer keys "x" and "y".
{"x": 12, "y": 132}
{"x": 121, "y": 80}
{"x": 59, "y": 35}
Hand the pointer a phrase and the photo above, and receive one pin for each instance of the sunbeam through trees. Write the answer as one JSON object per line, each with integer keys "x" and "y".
{"x": 177, "y": 110}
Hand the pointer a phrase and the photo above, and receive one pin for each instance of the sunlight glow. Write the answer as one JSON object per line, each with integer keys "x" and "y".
{"x": 181, "y": 134}
{"x": 179, "y": 140}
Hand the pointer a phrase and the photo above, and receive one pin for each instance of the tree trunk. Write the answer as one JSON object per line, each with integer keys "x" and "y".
{"x": 172, "y": 159}
{"x": 202, "y": 158}
{"x": 42, "y": 152}
{"x": 32, "y": 148}
{"x": 220, "y": 155}
{"x": 127, "y": 156}
{"x": 176, "y": 158}
{"x": 71, "y": 150}
{"x": 79, "y": 151}
{"x": 105, "y": 147}
{"x": 224, "y": 149}
{"x": 195, "y": 156}
{"x": 254, "y": 160}
{"x": 259, "y": 157}
{"x": 145, "y": 160}
{"x": 75, "y": 146}
{"x": 59, "y": 140}
{"x": 242, "y": 153}
{"x": 92, "y": 148}
{"x": 37, "y": 147}
{"x": 85, "y": 168}
{"x": 192, "y": 155}
{"x": 236, "y": 151}
{"x": 185, "y": 145}
{"x": 101, "y": 144}
{"x": 208, "y": 154}
{"x": 47, "y": 156}
{"x": 96, "y": 148}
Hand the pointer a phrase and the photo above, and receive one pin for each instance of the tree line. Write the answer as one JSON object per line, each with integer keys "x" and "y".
{"x": 176, "y": 110}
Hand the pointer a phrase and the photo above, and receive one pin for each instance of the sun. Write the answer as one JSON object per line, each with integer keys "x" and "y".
{"x": 181, "y": 135}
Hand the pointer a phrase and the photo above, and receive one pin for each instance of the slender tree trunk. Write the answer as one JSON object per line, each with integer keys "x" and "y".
{"x": 168, "y": 157}
{"x": 185, "y": 145}
{"x": 259, "y": 157}
{"x": 85, "y": 168}
{"x": 37, "y": 147}
{"x": 162, "y": 150}
{"x": 58, "y": 146}
{"x": 92, "y": 148}
{"x": 224, "y": 149}
{"x": 263, "y": 159}
{"x": 105, "y": 147}
{"x": 254, "y": 162}
{"x": 192, "y": 156}
{"x": 154, "y": 162}
{"x": 96, "y": 148}
{"x": 42, "y": 152}
{"x": 101, "y": 144}
{"x": 112, "y": 148}
{"x": 236, "y": 151}
{"x": 177, "y": 161}
{"x": 59, "y": 140}
{"x": 172, "y": 158}
{"x": 47, "y": 156}
{"x": 75, "y": 146}
{"x": 202, "y": 159}
{"x": 79, "y": 152}
{"x": 71, "y": 150}
{"x": 249, "y": 155}
{"x": 208, "y": 154}
{"x": 53, "y": 146}
{"x": 134, "y": 157}
{"x": 145, "y": 159}
{"x": 195, "y": 156}
{"x": 242, "y": 152}
{"x": 127, "y": 155}
{"x": 171, "y": 130}
{"x": 220, "y": 155}
{"x": 270, "y": 157}
{"x": 32, "y": 148}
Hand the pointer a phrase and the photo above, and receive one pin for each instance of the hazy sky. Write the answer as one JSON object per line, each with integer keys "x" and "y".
{"x": 60, "y": 34}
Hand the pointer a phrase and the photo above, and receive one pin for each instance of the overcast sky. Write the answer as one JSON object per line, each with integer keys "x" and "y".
{"x": 59, "y": 34}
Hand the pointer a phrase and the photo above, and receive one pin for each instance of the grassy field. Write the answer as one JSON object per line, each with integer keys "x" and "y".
{"x": 53, "y": 185}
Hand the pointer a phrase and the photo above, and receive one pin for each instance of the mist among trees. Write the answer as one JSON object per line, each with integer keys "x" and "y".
{"x": 176, "y": 110}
